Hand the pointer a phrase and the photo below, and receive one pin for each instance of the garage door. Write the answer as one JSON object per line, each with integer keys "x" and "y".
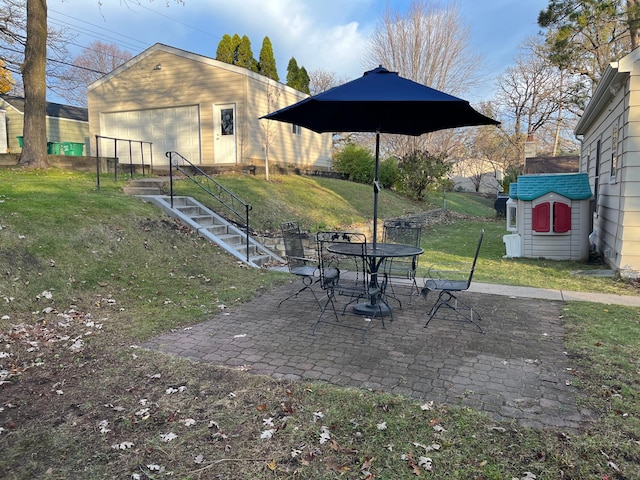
{"x": 169, "y": 129}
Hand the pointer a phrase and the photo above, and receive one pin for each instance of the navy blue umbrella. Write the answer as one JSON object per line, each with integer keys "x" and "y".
{"x": 382, "y": 102}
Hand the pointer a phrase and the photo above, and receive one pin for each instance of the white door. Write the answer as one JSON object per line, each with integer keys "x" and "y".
{"x": 224, "y": 133}
{"x": 169, "y": 129}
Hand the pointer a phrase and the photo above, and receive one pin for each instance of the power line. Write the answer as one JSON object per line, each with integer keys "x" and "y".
{"x": 99, "y": 27}
{"x": 178, "y": 21}
{"x": 99, "y": 35}
{"x": 49, "y": 59}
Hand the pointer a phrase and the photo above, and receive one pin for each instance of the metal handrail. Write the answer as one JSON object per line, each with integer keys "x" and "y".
{"x": 116, "y": 159}
{"x": 223, "y": 195}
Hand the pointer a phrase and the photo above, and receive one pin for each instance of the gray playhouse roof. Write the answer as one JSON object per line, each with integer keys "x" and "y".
{"x": 574, "y": 186}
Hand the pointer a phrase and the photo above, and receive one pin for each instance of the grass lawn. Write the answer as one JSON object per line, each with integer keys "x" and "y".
{"x": 87, "y": 275}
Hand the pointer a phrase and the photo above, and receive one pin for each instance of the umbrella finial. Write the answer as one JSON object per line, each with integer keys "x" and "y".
{"x": 379, "y": 69}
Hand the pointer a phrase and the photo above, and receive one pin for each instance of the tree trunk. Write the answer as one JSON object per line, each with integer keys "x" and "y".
{"x": 34, "y": 150}
{"x": 633, "y": 20}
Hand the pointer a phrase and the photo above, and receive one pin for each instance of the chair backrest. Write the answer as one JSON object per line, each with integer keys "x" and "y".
{"x": 330, "y": 264}
{"x": 402, "y": 231}
{"x": 294, "y": 249}
{"x": 407, "y": 233}
{"x": 475, "y": 258}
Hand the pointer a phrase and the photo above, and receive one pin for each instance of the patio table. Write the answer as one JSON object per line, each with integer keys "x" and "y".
{"x": 375, "y": 256}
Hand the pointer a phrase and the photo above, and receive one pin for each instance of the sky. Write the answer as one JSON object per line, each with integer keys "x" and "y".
{"x": 331, "y": 35}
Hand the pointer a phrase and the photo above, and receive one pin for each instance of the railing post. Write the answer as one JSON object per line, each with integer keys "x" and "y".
{"x": 115, "y": 159}
{"x": 246, "y": 208}
{"x": 142, "y": 157}
{"x": 130, "y": 161}
{"x": 169, "y": 155}
{"x": 97, "y": 162}
{"x": 151, "y": 156}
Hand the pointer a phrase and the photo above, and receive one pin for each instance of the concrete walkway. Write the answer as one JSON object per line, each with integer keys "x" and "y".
{"x": 559, "y": 295}
{"x": 518, "y": 369}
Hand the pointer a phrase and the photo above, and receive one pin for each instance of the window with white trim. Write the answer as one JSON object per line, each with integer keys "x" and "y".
{"x": 614, "y": 151}
{"x": 296, "y": 129}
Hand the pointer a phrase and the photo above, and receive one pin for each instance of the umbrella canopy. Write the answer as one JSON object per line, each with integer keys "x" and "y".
{"x": 382, "y": 102}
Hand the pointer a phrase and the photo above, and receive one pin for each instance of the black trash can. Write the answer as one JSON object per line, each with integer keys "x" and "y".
{"x": 501, "y": 205}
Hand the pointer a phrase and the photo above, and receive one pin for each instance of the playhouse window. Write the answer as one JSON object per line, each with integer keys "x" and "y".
{"x": 512, "y": 216}
{"x": 551, "y": 217}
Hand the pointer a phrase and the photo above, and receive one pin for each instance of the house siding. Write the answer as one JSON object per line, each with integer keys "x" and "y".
{"x": 616, "y": 219}
{"x": 188, "y": 79}
{"x": 15, "y": 123}
{"x": 58, "y": 129}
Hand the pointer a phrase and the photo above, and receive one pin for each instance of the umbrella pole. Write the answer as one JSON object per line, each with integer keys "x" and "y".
{"x": 376, "y": 189}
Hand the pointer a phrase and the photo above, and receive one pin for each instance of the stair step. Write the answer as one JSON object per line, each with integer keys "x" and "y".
{"x": 260, "y": 260}
{"x": 133, "y": 190}
{"x": 216, "y": 229}
{"x": 188, "y": 210}
{"x": 148, "y": 182}
{"x": 204, "y": 220}
{"x": 232, "y": 239}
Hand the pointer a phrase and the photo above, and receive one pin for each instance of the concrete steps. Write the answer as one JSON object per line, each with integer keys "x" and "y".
{"x": 207, "y": 223}
{"x": 146, "y": 186}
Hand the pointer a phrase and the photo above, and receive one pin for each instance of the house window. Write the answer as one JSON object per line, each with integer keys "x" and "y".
{"x": 296, "y": 129}
{"x": 226, "y": 121}
{"x": 551, "y": 217}
{"x": 614, "y": 151}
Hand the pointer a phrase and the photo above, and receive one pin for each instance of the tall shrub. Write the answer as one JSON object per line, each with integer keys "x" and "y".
{"x": 356, "y": 161}
{"x": 420, "y": 172}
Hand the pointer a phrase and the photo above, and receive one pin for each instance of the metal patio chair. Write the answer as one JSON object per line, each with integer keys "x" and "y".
{"x": 346, "y": 275}
{"x": 407, "y": 233}
{"x": 450, "y": 283}
{"x": 297, "y": 262}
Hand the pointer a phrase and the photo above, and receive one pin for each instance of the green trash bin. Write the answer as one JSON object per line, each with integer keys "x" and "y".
{"x": 72, "y": 148}
{"x": 53, "y": 148}
{"x": 19, "y": 137}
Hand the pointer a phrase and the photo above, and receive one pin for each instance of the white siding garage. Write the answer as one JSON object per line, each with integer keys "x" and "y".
{"x": 176, "y": 129}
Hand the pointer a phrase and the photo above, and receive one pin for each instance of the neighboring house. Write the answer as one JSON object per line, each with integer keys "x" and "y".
{"x": 207, "y": 111}
{"x": 550, "y": 216}
{"x": 476, "y": 175}
{"x": 65, "y": 123}
{"x": 610, "y": 155}
{"x": 564, "y": 164}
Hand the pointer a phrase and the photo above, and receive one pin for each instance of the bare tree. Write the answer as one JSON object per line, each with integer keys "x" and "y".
{"x": 25, "y": 36}
{"x": 428, "y": 44}
{"x": 270, "y": 127}
{"x": 34, "y": 153}
{"x": 534, "y": 94}
{"x": 25, "y": 40}
{"x": 96, "y": 60}
{"x": 322, "y": 80}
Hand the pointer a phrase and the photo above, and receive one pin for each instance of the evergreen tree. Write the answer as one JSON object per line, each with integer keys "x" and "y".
{"x": 297, "y": 77}
{"x": 293, "y": 72}
{"x": 303, "y": 80}
{"x": 226, "y": 49}
{"x": 244, "y": 55}
{"x": 235, "y": 40}
{"x": 266, "y": 61}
